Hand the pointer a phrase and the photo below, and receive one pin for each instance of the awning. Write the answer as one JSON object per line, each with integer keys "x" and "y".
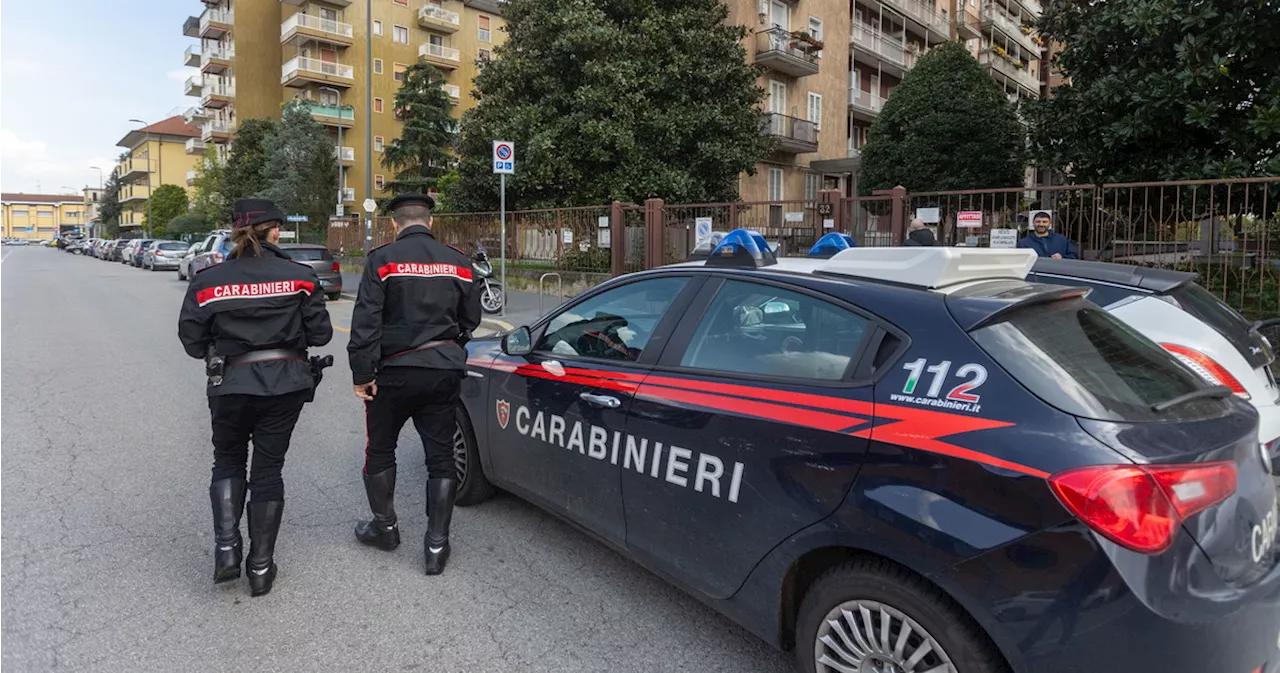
{"x": 841, "y": 165}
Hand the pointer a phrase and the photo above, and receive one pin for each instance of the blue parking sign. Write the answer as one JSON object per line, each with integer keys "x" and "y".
{"x": 504, "y": 157}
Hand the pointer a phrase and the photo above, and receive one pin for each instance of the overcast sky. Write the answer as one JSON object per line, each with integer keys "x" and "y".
{"x": 72, "y": 73}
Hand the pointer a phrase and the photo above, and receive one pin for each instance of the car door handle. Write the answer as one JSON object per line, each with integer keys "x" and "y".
{"x": 606, "y": 401}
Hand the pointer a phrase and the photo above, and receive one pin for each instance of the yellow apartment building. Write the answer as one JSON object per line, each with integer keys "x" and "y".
{"x": 41, "y": 216}
{"x": 157, "y": 156}
{"x": 255, "y": 55}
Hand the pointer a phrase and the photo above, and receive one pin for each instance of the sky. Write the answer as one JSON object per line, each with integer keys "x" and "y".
{"x": 72, "y": 73}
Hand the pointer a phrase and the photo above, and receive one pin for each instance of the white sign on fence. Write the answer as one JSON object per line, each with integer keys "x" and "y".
{"x": 701, "y": 229}
{"x": 828, "y": 224}
{"x": 969, "y": 219}
{"x": 288, "y": 234}
{"x": 603, "y": 238}
{"x": 929, "y": 215}
{"x": 603, "y": 222}
{"x": 795, "y": 217}
{"x": 1004, "y": 238}
{"x": 568, "y": 236}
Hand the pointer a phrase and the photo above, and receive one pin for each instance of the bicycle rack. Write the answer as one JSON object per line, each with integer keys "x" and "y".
{"x": 542, "y": 295}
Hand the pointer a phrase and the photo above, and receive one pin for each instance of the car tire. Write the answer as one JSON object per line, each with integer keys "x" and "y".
{"x": 180, "y": 276}
{"x": 864, "y": 582}
{"x": 475, "y": 487}
{"x": 333, "y": 296}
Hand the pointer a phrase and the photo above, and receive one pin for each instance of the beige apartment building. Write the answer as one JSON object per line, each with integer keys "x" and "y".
{"x": 38, "y": 217}
{"x": 157, "y": 156}
{"x": 255, "y": 55}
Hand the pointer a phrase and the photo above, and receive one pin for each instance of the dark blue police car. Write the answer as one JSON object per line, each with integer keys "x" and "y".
{"x": 897, "y": 459}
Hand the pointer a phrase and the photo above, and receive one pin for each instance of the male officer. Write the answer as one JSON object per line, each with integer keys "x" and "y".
{"x": 416, "y": 307}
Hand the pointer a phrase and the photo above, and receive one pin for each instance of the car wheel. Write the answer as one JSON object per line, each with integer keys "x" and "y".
{"x": 333, "y": 296}
{"x": 180, "y": 276}
{"x": 473, "y": 487}
{"x": 873, "y": 615}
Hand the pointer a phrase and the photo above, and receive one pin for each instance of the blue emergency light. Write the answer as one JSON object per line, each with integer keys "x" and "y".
{"x": 742, "y": 247}
{"x": 829, "y": 245}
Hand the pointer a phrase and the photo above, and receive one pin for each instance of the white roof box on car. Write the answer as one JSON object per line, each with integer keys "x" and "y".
{"x": 933, "y": 267}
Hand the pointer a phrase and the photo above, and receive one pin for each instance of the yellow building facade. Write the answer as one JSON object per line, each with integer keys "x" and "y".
{"x": 41, "y": 216}
{"x": 256, "y": 55}
{"x": 157, "y": 156}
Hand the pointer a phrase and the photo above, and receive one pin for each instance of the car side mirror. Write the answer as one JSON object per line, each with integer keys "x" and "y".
{"x": 517, "y": 342}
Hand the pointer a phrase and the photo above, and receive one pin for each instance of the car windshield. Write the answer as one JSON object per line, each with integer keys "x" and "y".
{"x": 175, "y": 245}
{"x": 308, "y": 254}
{"x": 1078, "y": 358}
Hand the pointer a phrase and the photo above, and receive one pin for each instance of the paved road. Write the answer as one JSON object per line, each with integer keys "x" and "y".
{"x": 523, "y": 308}
{"x": 106, "y": 530}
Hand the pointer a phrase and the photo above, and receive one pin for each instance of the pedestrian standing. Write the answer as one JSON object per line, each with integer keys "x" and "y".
{"x": 417, "y": 305}
{"x": 252, "y": 318}
{"x": 919, "y": 234}
{"x": 1045, "y": 242}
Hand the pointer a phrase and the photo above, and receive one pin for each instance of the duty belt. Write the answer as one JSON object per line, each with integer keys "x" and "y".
{"x": 269, "y": 355}
{"x": 426, "y": 346}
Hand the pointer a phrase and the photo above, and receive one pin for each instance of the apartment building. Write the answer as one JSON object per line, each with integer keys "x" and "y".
{"x": 157, "y": 156}
{"x": 255, "y": 55}
{"x": 93, "y": 208}
{"x": 41, "y": 216}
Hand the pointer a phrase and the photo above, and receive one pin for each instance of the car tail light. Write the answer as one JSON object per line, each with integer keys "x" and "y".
{"x": 217, "y": 257}
{"x": 1206, "y": 367}
{"x": 337, "y": 268}
{"x": 1140, "y": 507}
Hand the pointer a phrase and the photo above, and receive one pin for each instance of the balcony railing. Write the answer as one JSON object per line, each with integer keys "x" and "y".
{"x": 865, "y": 101}
{"x": 437, "y": 14}
{"x": 214, "y": 126}
{"x": 778, "y": 50}
{"x": 792, "y": 133}
{"x": 194, "y": 114}
{"x": 133, "y": 165}
{"x": 195, "y": 145}
{"x": 308, "y": 21}
{"x": 218, "y": 16}
{"x": 334, "y": 112}
{"x": 301, "y": 64}
{"x": 193, "y": 86}
{"x": 191, "y": 57}
{"x": 1005, "y": 66}
{"x": 994, "y": 14}
{"x": 452, "y": 89}
{"x": 344, "y": 153}
{"x": 881, "y": 45}
{"x": 925, "y": 15}
{"x": 219, "y": 88}
{"x": 191, "y": 177}
{"x": 220, "y": 52}
{"x": 439, "y": 51}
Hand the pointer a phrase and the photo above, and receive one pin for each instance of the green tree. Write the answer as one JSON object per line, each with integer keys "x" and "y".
{"x": 420, "y": 156}
{"x": 109, "y": 210}
{"x": 1161, "y": 91}
{"x": 614, "y": 99}
{"x": 191, "y": 223}
{"x": 243, "y": 175}
{"x": 210, "y": 200}
{"x": 447, "y": 185}
{"x": 947, "y": 126}
{"x": 301, "y": 168}
{"x": 166, "y": 203}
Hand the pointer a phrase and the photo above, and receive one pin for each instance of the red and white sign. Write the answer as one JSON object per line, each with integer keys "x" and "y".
{"x": 969, "y": 219}
{"x": 281, "y": 288}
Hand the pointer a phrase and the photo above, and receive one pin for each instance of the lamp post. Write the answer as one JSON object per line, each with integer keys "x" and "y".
{"x": 368, "y": 120}
{"x": 342, "y": 171}
{"x": 147, "y": 233}
{"x": 93, "y": 229}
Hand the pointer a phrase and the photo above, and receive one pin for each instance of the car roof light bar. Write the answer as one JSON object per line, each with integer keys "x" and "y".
{"x": 931, "y": 267}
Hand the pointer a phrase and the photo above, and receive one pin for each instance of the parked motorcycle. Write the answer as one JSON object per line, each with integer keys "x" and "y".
{"x": 492, "y": 298}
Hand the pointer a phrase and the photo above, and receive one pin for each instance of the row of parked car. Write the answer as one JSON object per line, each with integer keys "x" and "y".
{"x": 188, "y": 259}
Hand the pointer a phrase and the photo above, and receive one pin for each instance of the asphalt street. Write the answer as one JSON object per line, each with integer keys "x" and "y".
{"x": 523, "y": 308}
{"x": 106, "y": 529}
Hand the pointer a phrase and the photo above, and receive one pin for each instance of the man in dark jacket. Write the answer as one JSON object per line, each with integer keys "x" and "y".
{"x": 417, "y": 305}
{"x": 918, "y": 234}
{"x": 1045, "y": 242}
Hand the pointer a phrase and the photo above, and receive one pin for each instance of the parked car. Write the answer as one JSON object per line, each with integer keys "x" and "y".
{"x": 213, "y": 251}
{"x": 163, "y": 255}
{"x": 116, "y": 252}
{"x": 319, "y": 258}
{"x": 184, "y": 264}
{"x": 126, "y": 251}
{"x": 143, "y": 246}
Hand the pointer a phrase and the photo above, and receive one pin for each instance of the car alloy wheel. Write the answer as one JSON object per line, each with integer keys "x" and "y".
{"x": 865, "y": 636}
{"x": 460, "y": 454}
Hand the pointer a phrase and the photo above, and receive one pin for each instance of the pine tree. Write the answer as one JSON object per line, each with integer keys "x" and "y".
{"x": 420, "y": 156}
{"x": 243, "y": 175}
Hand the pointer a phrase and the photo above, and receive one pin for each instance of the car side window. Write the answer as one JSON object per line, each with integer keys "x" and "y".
{"x": 764, "y": 330}
{"x": 613, "y": 325}
{"x": 208, "y": 244}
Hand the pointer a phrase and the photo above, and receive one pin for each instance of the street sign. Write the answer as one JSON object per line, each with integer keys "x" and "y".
{"x": 288, "y": 234}
{"x": 340, "y": 211}
{"x": 370, "y": 205}
{"x": 969, "y": 219}
{"x": 1004, "y": 238}
{"x": 824, "y": 209}
{"x": 504, "y": 157}
{"x": 702, "y": 229}
{"x": 929, "y": 215}
{"x": 296, "y": 218}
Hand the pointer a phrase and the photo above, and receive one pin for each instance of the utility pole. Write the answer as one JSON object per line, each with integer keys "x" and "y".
{"x": 368, "y": 119}
{"x": 342, "y": 171}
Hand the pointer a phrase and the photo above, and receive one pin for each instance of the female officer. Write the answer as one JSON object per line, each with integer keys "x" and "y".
{"x": 257, "y": 312}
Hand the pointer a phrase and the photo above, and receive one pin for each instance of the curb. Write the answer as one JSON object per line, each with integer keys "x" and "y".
{"x": 493, "y": 324}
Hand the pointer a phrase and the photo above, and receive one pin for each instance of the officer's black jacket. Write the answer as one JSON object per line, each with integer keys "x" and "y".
{"x": 415, "y": 291}
{"x": 256, "y": 303}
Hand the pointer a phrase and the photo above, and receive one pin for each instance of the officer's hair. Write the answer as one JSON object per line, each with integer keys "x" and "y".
{"x": 248, "y": 240}
{"x": 411, "y": 214}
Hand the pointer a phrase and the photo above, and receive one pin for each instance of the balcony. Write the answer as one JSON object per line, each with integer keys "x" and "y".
{"x": 194, "y": 114}
{"x": 865, "y": 104}
{"x": 130, "y": 193}
{"x": 333, "y": 115}
{"x": 191, "y": 177}
{"x": 214, "y": 23}
{"x": 303, "y": 3}
{"x": 300, "y": 70}
{"x": 777, "y": 50}
{"x": 1006, "y": 68}
{"x": 994, "y": 17}
{"x": 132, "y": 168}
{"x": 215, "y": 130}
{"x": 194, "y": 85}
{"x": 217, "y": 94}
{"x": 877, "y": 49}
{"x": 349, "y": 195}
{"x": 924, "y": 16}
{"x": 303, "y": 27}
{"x": 191, "y": 57}
{"x": 216, "y": 60}
{"x": 347, "y": 155}
{"x": 436, "y": 18}
{"x": 440, "y": 55}
{"x": 453, "y": 90}
{"x": 793, "y": 135}
{"x": 969, "y": 27}
{"x": 195, "y": 146}
{"x": 191, "y": 26}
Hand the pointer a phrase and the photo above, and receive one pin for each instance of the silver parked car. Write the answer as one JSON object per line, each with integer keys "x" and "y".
{"x": 163, "y": 255}
{"x": 184, "y": 264}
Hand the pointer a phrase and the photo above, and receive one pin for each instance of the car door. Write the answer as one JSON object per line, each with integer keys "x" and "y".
{"x": 748, "y": 419}
{"x": 555, "y": 433}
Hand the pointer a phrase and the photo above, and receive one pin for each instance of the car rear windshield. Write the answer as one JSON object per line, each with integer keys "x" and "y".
{"x": 309, "y": 254}
{"x": 1215, "y": 313}
{"x": 173, "y": 246}
{"x": 1078, "y": 358}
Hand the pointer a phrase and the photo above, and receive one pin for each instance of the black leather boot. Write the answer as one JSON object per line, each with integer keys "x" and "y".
{"x": 440, "y": 495}
{"x": 381, "y": 531}
{"x": 264, "y": 524}
{"x": 227, "y": 497}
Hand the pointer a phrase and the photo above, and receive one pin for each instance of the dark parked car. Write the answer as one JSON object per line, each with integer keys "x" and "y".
{"x": 141, "y": 249}
{"x": 117, "y": 249}
{"x": 319, "y": 258}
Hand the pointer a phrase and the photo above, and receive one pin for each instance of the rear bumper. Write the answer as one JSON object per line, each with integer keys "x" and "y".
{"x": 331, "y": 284}
{"x": 165, "y": 263}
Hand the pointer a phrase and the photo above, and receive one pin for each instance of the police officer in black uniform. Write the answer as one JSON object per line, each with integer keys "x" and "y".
{"x": 416, "y": 307}
{"x": 252, "y": 318}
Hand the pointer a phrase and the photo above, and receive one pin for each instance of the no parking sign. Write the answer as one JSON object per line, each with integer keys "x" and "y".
{"x": 504, "y": 157}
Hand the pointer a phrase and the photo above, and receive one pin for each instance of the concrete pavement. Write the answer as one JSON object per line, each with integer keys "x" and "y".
{"x": 523, "y": 308}
{"x": 107, "y": 542}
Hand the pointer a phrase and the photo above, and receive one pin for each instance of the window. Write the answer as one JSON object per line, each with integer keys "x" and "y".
{"x": 815, "y": 28}
{"x": 309, "y": 254}
{"x": 613, "y": 325}
{"x": 377, "y": 105}
{"x": 815, "y": 109}
{"x": 812, "y": 182}
{"x": 19, "y": 213}
{"x": 377, "y": 66}
{"x": 377, "y": 143}
{"x": 378, "y": 181}
{"x": 775, "y": 184}
{"x": 397, "y": 71}
{"x": 763, "y": 330}
{"x": 484, "y": 29}
{"x": 44, "y": 213}
{"x": 400, "y": 34}
{"x": 483, "y": 57}
{"x": 377, "y": 27}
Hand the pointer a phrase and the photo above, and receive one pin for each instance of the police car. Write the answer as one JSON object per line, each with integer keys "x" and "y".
{"x": 894, "y": 459}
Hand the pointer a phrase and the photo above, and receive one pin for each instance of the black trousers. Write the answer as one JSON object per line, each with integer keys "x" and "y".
{"x": 429, "y": 397}
{"x": 269, "y": 422}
